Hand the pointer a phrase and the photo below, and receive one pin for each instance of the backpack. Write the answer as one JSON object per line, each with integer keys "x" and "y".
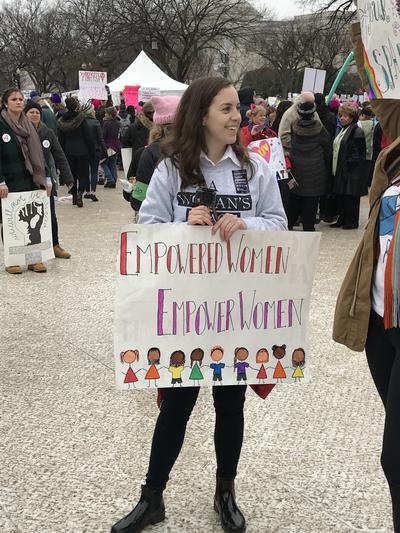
{"x": 124, "y": 124}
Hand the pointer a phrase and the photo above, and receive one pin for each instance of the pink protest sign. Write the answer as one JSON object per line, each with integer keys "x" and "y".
{"x": 131, "y": 93}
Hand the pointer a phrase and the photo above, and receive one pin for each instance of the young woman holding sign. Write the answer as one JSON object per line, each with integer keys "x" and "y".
{"x": 204, "y": 151}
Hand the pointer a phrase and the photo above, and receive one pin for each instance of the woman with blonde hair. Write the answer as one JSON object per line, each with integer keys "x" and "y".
{"x": 257, "y": 128}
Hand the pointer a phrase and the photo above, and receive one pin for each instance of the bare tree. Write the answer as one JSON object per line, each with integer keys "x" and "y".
{"x": 329, "y": 43}
{"x": 284, "y": 46}
{"x": 98, "y": 39}
{"x": 345, "y": 9}
{"x": 318, "y": 40}
{"x": 177, "y": 32}
{"x": 37, "y": 40}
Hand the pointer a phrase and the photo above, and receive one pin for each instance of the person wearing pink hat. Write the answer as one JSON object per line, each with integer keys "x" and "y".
{"x": 144, "y": 161}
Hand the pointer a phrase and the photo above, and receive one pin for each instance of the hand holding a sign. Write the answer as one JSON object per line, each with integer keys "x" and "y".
{"x": 227, "y": 225}
{"x": 3, "y": 190}
{"x": 200, "y": 216}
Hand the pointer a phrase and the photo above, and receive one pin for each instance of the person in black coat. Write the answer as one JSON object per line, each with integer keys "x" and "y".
{"x": 246, "y": 98}
{"x": 328, "y": 118}
{"x": 100, "y": 150}
{"x": 76, "y": 141}
{"x": 145, "y": 159}
{"x": 137, "y": 135}
{"x": 327, "y": 203}
{"x": 311, "y": 157}
{"x": 350, "y": 180}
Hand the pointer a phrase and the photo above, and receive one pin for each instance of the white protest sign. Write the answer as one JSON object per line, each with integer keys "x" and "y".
{"x": 26, "y": 228}
{"x": 92, "y": 84}
{"x": 126, "y": 156}
{"x": 380, "y": 24}
{"x": 272, "y": 151}
{"x": 314, "y": 80}
{"x": 145, "y": 93}
{"x": 192, "y": 310}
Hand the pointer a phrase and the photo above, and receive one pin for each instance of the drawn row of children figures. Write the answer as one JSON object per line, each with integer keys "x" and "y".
{"x": 240, "y": 365}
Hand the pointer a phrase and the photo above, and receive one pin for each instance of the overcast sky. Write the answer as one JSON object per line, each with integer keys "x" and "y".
{"x": 283, "y": 8}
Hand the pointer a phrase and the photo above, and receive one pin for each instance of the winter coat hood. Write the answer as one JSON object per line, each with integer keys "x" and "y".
{"x": 147, "y": 123}
{"x": 307, "y": 127}
{"x": 246, "y": 95}
{"x": 71, "y": 120}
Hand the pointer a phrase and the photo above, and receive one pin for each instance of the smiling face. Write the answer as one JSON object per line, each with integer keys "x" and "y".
{"x": 262, "y": 356}
{"x": 34, "y": 115}
{"x": 241, "y": 354}
{"x": 177, "y": 358}
{"x": 130, "y": 356}
{"x": 153, "y": 355}
{"x": 259, "y": 118}
{"x": 222, "y": 121}
{"x": 217, "y": 354}
{"x": 345, "y": 119}
{"x": 298, "y": 357}
{"x": 15, "y": 102}
{"x": 279, "y": 352}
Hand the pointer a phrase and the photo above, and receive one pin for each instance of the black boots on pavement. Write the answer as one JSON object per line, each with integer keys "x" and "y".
{"x": 150, "y": 510}
{"x": 232, "y": 519}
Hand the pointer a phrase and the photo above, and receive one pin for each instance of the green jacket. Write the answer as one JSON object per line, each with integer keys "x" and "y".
{"x": 12, "y": 164}
{"x": 49, "y": 118}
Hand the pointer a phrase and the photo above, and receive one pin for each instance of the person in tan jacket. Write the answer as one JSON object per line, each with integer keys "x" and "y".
{"x": 367, "y": 313}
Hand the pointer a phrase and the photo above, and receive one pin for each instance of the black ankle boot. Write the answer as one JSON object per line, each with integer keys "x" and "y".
{"x": 232, "y": 520}
{"x": 149, "y": 510}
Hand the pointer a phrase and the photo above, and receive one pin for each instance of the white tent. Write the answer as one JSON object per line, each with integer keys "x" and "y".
{"x": 145, "y": 73}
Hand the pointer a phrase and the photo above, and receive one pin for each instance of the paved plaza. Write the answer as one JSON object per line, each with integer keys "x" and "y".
{"x": 74, "y": 450}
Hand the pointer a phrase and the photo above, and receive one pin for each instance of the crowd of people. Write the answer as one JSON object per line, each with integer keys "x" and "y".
{"x": 333, "y": 151}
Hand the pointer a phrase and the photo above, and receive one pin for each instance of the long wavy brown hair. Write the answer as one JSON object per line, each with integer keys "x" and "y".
{"x": 187, "y": 140}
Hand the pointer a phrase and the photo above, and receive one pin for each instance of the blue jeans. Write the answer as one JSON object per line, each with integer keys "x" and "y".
{"x": 94, "y": 168}
{"x": 110, "y": 169}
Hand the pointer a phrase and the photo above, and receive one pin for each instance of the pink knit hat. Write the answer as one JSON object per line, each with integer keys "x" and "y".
{"x": 165, "y": 108}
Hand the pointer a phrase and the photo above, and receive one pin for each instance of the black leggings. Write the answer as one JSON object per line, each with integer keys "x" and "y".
{"x": 79, "y": 165}
{"x": 306, "y": 206}
{"x": 176, "y": 408}
{"x": 383, "y": 355}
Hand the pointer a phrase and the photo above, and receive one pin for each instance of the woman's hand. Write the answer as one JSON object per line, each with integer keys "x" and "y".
{"x": 3, "y": 190}
{"x": 200, "y": 216}
{"x": 227, "y": 225}
{"x": 255, "y": 130}
{"x": 49, "y": 188}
